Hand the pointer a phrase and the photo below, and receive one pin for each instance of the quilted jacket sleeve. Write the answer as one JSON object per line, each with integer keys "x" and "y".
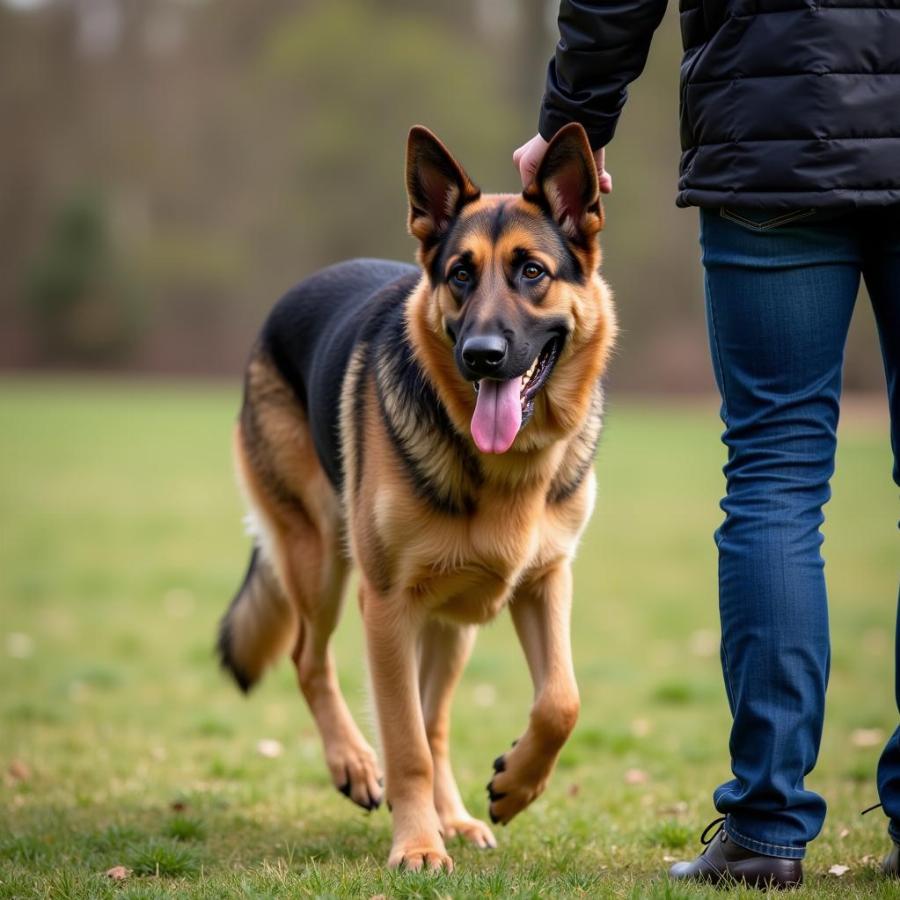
{"x": 603, "y": 47}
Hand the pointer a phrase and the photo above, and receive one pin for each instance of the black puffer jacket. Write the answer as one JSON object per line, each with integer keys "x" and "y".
{"x": 784, "y": 103}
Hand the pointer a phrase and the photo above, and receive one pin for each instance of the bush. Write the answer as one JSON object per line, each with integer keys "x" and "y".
{"x": 81, "y": 304}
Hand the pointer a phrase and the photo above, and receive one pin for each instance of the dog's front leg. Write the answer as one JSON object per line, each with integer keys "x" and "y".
{"x": 443, "y": 653}
{"x": 541, "y": 612}
{"x": 392, "y": 633}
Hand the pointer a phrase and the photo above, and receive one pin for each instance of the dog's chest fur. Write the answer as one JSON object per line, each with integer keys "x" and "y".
{"x": 465, "y": 568}
{"x": 494, "y": 554}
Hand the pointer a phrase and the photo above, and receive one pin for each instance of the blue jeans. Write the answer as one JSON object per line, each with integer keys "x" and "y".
{"x": 780, "y": 290}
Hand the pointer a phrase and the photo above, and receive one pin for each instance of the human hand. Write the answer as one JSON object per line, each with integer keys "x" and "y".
{"x": 528, "y": 157}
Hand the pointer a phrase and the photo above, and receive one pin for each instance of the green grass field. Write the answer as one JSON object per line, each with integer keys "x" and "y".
{"x": 122, "y": 744}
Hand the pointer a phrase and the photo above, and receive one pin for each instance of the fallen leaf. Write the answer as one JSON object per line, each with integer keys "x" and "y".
{"x": 636, "y": 776}
{"x": 845, "y": 832}
{"x": 668, "y": 858}
{"x": 838, "y": 870}
{"x": 19, "y": 770}
{"x": 269, "y": 748}
{"x": 574, "y": 790}
{"x": 18, "y": 645}
{"x": 641, "y": 727}
{"x": 78, "y": 691}
{"x": 178, "y": 806}
{"x": 877, "y": 641}
{"x": 118, "y": 873}
{"x": 704, "y": 643}
{"x": 867, "y": 737}
{"x": 484, "y": 695}
{"x": 179, "y": 602}
{"x": 674, "y": 809}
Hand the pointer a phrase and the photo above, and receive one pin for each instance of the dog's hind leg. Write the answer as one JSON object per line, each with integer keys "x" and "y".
{"x": 443, "y": 652}
{"x": 299, "y": 531}
{"x": 351, "y": 760}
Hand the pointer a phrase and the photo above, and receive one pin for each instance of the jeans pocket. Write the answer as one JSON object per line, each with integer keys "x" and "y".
{"x": 764, "y": 219}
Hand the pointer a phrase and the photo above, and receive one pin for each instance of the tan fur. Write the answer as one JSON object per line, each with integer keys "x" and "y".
{"x": 426, "y": 578}
{"x": 303, "y": 534}
{"x": 264, "y": 624}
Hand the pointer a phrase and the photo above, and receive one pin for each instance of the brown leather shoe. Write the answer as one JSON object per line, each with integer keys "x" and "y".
{"x": 725, "y": 861}
{"x": 890, "y": 865}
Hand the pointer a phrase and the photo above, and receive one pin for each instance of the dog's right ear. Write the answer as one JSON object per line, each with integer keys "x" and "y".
{"x": 566, "y": 185}
{"x": 437, "y": 185}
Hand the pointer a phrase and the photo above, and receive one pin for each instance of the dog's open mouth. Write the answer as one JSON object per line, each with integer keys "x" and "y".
{"x": 502, "y": 408}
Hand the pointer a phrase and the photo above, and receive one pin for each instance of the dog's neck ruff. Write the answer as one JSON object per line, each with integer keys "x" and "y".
{"x": 439, "y": 461}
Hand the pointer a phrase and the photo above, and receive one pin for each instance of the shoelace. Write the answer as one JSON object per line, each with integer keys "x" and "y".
{"x": 706, "y": 838}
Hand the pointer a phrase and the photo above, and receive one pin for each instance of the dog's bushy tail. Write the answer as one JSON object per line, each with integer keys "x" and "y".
{"x": 259, "y": 626}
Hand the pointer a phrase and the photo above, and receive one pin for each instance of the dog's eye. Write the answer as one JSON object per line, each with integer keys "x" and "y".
{"x": 532, "y": 271}
{"x": 461, "y": 275}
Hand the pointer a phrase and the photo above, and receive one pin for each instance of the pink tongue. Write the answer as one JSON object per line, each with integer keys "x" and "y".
{"x": 498, "y": 415}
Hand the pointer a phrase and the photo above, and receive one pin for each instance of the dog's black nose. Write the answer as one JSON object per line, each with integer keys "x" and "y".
{"x": 484, "y": 353}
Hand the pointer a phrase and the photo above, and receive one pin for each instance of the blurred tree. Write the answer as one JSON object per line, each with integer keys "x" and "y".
{"x": 536, "y": 42}
{"x": 83, "y": 308}
{"x": 355, "y": 78}
{"x": 241, "y": 145}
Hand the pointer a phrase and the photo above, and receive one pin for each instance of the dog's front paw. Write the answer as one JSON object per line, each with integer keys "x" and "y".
{"x": 472, "y": 830}
{"x": 355, "y": 773}
{"x": 420, "y": 853}
{"x": 519, "y": 778}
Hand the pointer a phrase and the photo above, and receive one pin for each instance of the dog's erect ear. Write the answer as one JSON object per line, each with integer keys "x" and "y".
{"x": 437, "y": 185}
{"x": 566, "y": 183}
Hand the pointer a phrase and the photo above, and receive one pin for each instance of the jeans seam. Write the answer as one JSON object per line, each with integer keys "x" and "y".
{"x": 726, "y": 668}
{"x": 740, "y": 838}
{"x": 717, "y": 361}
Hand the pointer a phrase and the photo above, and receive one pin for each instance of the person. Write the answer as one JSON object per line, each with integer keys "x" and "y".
{"x": 790, "y": 129}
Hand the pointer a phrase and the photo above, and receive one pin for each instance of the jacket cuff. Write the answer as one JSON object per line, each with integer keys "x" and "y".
{"x": 600, "y": 129}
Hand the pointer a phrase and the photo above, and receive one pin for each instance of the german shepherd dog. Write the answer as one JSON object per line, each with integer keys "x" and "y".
{"x": 435, "y": 425}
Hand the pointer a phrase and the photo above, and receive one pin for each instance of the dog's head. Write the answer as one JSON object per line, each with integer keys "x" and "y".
{"x": 514, "y": 289}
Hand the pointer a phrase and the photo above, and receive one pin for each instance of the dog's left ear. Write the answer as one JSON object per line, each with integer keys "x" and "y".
{"x": 437, "y": 185}
{"x": 566, "y": 183}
